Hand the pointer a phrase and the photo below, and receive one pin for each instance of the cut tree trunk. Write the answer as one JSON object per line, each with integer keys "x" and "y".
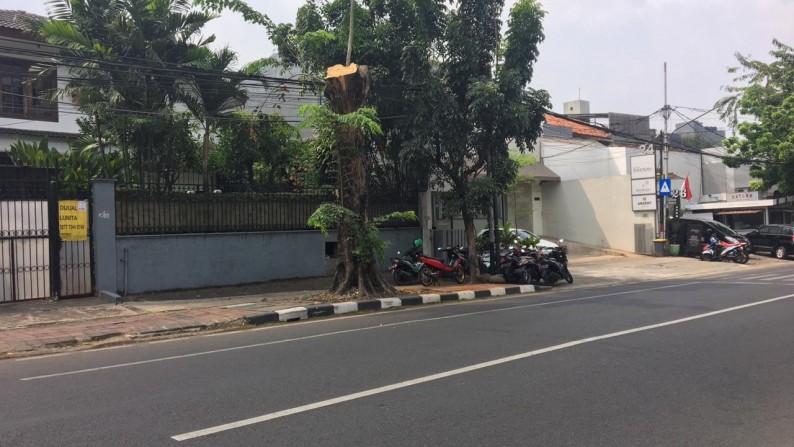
{"x": 346, "y": 87}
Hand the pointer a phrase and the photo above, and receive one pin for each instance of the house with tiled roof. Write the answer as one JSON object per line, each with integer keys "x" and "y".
{"x": 583, "y": 189}
{"x": 25, "y": 113}
{"x": 576, "y": 128}
{"x": 579, "y": 189}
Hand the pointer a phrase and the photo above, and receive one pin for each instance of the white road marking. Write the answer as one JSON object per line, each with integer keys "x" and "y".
{"x": 347, "y": 331}
{"x": 763, "y": 276}
{"x": 773, "y": 278}
{"x": 455, "y": 372}
{"x": 755, "y": 283}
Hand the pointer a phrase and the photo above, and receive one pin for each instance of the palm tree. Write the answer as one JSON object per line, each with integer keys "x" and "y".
{"x": 122, "y": 56}
{"x": 212, "y": 93}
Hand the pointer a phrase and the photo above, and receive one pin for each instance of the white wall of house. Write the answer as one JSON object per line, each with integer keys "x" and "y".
{"x": 593, "y": 211}
{"x": 66, "y": 123}
{"x": 574, "y": 159}
{"x": 67, "y": 114}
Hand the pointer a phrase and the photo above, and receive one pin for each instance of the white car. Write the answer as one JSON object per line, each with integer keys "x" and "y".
{"x": 523, "y": 234}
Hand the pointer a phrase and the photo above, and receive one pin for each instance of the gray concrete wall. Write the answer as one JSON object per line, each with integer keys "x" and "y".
{"x": 104, "y": 233}
{"x": 169, "y": 262}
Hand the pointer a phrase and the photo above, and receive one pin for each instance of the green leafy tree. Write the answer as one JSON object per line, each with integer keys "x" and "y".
{"x": 120, "y": 55}
{"x": 211, "y": 93}
{"x": 259, "y": 150}
{"x": 385, "y": 34}
{"x": 347, "y": 125}
{"x": 470, "y": 109}
{"x": 455, "y": 91}
{"x": 766, "y": 143}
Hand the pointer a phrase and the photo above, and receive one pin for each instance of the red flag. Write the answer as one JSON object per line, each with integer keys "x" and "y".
{"x": 688, "y": 191}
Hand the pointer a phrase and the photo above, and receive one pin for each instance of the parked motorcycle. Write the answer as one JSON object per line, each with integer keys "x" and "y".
{"x": 560, "y": 255}
{"x": 511, "y": 269}
{"x": 729, "y": 250}
{"x": 518, "y": 266}
{"x": 464, "y": 253}
{"x": 435, "y": 268}
{"x": 405, "y": 269}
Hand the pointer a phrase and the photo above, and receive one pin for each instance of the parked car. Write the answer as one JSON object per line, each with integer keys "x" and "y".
{"x": 689, "y": 234}
{"x": 778, "y": 240}
{"x": 523, "y": 234}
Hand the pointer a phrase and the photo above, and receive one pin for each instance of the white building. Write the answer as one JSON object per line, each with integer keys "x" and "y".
{"x": 592, "y": 202}
{"x": 24, "y": 113}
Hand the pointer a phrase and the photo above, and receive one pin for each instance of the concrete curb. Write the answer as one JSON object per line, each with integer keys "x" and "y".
{"x": 324, "y": 310}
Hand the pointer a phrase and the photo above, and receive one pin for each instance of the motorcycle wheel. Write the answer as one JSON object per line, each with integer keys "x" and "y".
{"x": 400, "y": 277}
{"x": 525, "y": 278}
{"x": 550, "y": 279}
{"x": 426, "y": 276}
{"x": 741, "y": 258}
{"x": 460, "y": 276}
{"x": 569, "y": 278}
{"x": 705, "y": 256}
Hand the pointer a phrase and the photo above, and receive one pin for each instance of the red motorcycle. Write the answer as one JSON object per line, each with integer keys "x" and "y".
{"x": 719, "y": 250}
{"x": 435, "y": 268}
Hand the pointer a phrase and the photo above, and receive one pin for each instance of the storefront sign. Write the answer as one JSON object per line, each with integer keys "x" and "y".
{"x": 73, "y": 220}
{"x": 643, "y": 166}
{"x": 643, "y": 186}
{"x": 643, "y": 203}
{"x": 742, "y": 196}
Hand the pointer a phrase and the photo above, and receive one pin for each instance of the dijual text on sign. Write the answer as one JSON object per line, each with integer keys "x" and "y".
{"x": 73, "y": 220}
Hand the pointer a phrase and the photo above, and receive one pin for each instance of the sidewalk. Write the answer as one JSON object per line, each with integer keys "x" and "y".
{"x": 43, "y": 326}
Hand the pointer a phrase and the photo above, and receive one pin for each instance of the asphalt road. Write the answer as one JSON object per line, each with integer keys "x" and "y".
{"x": 695, "y": 362}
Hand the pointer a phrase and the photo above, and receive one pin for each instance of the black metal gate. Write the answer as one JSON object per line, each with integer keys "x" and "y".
{"x": 73, "y": 260}
{"x": 34, "y": 262}
{"x": 24, "y": 240}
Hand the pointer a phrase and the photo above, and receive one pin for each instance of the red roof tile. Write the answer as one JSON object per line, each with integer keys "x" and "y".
{"x": 17, "y": 20}
{"x": 577, "y": 128}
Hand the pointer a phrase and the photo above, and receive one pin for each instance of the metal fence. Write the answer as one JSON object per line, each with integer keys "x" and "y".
{"x": 147, "y": 209}
{"x": 34, "y": 263}
{"x": 24, "y": 240}
{"x": 74, "y": 260}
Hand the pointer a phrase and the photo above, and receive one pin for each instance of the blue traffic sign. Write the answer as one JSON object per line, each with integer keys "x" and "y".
{"x": 665, "y": 187}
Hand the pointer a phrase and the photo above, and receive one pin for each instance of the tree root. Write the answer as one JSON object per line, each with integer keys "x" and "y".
{"x": 366, "y": 281}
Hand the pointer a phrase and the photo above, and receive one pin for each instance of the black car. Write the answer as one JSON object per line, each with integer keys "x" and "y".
{"x": 691, "y": 231}
{"x": 775, "y": 239}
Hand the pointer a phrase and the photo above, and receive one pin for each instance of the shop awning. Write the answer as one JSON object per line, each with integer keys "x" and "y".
{"x": 538, "y": 172}
{"x": 723, "y": 213}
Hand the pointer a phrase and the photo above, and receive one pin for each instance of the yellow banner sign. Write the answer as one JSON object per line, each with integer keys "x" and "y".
{"x": 73, "y": 220}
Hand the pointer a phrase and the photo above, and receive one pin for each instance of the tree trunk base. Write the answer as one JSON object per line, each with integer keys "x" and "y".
{"x": 365, "y": 281}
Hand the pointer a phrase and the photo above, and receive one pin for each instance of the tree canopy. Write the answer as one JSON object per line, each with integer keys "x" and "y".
{"x": 766, "y": 143}
{"x": 133, "y": 66}
{"x": 448, "y": 109}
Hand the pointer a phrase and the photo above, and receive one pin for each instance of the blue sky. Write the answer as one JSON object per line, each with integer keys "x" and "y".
{"x": 612, "y": 51}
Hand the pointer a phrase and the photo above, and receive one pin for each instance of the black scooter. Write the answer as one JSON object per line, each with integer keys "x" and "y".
{"x": 559, "y": 266}
{"x": 554, "y": 265}
{"x": 405, "y": 269}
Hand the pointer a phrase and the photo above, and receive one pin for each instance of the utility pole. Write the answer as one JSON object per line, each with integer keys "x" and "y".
{"x": 666, "y": 151}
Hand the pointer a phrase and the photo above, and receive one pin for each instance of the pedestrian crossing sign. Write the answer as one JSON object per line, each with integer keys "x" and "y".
{"x": 665, "y": 187}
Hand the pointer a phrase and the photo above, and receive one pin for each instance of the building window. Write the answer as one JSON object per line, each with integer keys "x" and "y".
{"x": 22, "y": 95}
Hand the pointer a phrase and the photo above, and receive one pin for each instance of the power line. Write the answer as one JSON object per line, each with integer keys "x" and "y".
{"x": 123, "y": 66}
